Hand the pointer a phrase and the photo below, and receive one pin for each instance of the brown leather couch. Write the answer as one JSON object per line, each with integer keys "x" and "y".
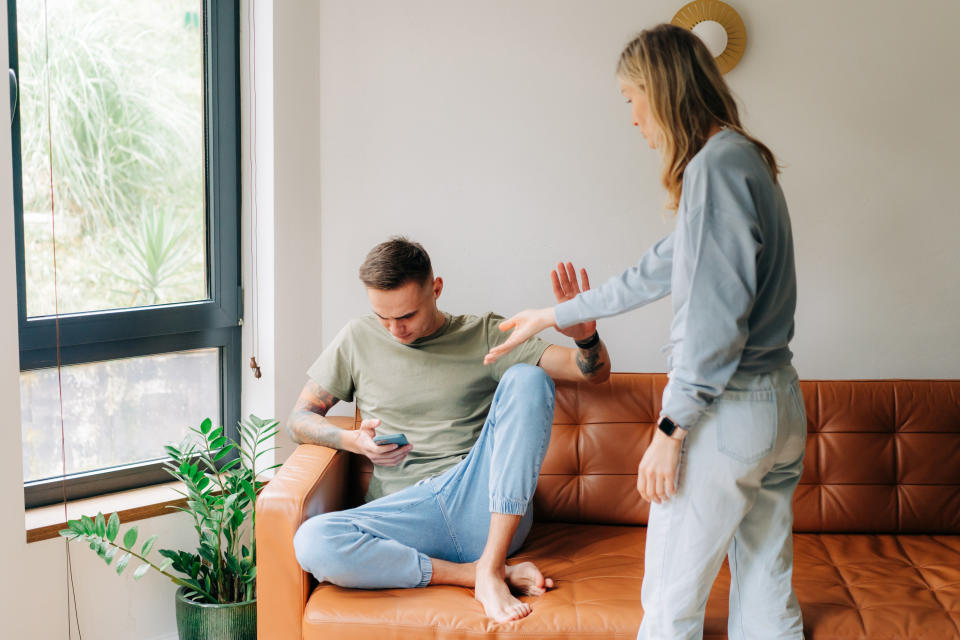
{"x": 877, "y": 550}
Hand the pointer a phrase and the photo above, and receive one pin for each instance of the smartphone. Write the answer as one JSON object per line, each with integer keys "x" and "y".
{"x": 398, "y": 439}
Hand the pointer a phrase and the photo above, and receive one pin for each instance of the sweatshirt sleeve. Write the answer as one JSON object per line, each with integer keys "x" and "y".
{"x": 716, "y": 260}
{"x": 643, "y": 283}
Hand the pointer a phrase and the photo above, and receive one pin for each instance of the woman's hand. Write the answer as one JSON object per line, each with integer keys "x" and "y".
{"x": 658, "y": 468}
{"x": 525, "y": 324}
{"x": 565, "y": 287}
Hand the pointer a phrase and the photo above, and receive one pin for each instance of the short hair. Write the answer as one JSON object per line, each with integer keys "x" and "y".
{"x": 393, "y": 263}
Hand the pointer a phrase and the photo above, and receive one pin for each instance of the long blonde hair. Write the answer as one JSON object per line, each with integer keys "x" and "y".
{"x": 687, "y": 97}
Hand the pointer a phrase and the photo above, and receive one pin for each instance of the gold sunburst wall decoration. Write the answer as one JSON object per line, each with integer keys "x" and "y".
{"x": 719, "y": 26}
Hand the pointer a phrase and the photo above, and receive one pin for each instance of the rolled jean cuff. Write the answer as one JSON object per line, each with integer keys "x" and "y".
{"x": 508, "y": 506}
{"x": 426, "y": 570}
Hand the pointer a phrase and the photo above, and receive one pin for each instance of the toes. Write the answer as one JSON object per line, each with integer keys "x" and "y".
{"x": 548, "y": 583}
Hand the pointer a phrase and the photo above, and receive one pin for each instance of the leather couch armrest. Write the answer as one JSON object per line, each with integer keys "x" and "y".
{"x": 311, "y": 481}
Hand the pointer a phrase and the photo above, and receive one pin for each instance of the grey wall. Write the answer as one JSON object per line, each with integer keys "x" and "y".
{"x": 493, "y": 132}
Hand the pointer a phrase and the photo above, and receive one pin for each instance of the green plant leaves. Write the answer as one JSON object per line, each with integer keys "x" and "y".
{"x": 130, "y": 538}
{"x": 113, "y": 526}
{"x": 220, "y": 500}
{"x": 148, "y": 545}
{"x": 122, "y": 563}
{"x": 223, "y": 452}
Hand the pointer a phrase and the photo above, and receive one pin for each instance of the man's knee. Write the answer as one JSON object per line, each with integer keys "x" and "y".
{"x": 317, "y": 545}
{"x": 530, "y": 391}
{"x": 529, "y": 377}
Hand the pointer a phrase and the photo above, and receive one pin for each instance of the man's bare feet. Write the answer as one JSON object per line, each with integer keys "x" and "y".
{"x": 493, "y": 593}
{"x": 527, "y": 580}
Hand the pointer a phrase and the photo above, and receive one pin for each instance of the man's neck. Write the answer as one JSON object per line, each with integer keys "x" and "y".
{"x": 439, "y": 320}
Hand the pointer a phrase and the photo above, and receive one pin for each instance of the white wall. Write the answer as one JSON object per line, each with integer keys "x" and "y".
{"x": 297, "y": 283}
{"x": 493, "y": 133}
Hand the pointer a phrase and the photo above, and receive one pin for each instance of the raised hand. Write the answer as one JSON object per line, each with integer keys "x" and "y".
{"x": 385, "y": 455}
{"x": 525, "y": 324}
{"x": 565, "y": 287}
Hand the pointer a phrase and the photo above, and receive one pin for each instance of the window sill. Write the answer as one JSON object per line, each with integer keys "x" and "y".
{"x": 44, "y": 523}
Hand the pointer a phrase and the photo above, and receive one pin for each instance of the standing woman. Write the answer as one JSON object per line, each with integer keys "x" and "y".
{"x": 732, "y": 407}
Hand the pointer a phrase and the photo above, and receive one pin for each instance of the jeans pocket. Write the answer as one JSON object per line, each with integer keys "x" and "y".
{"x": 746, "y": 424}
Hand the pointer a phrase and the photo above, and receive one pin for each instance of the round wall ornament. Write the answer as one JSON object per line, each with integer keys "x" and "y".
{"x": 719, "y": 26}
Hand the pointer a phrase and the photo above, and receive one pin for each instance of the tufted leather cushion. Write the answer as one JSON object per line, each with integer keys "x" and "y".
{"x": 882, "y": 456}
{"x": 598, "y": 570}
{"x": 870, "y": 587}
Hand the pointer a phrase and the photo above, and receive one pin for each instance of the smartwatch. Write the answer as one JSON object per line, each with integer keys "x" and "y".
{"x": 669, "y": 427}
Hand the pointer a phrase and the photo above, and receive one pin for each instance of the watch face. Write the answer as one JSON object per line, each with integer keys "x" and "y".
{"x": 666, "y": 425}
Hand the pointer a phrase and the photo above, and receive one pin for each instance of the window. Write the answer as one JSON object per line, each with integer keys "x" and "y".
{"x": 143, "y": 125}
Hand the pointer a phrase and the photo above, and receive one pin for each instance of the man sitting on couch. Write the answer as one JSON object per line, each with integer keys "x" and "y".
{"x": 453, "y": 503}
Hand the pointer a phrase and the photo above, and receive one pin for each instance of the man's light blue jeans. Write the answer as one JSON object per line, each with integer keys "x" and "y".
{"x": 388, "y": 543}
{"x": 740, "y": 467}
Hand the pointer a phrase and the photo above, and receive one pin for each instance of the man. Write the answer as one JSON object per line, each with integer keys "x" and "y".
{"x": 453, "y": 503}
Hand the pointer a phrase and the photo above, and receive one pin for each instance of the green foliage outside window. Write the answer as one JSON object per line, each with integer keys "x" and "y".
{"x": 126, "y": 122}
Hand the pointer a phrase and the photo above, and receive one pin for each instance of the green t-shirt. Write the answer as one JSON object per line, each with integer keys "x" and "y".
{"x": 435, "y": 390}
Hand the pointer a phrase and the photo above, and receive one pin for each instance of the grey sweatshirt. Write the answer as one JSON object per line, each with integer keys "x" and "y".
{"x": 730, "y": 267}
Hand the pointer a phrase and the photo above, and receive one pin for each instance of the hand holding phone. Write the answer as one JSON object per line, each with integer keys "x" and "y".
{"x": 398, "y": 439}
{"x": 386, "y": 450}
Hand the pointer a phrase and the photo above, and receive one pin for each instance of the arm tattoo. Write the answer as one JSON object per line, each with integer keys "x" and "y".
{"x": 307, "y": 423}
{"x": 590, "y": 361}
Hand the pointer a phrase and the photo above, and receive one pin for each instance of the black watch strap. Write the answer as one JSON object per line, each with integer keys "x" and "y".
{"x": 590, "y": 342}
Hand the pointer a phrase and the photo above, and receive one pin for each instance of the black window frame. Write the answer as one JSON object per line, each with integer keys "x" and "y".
{"x": 112, "y": 334}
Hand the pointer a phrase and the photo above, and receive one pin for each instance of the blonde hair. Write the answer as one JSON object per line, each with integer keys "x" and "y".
{"x": 687, "y": 97}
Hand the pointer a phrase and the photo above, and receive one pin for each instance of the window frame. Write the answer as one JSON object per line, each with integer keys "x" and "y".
{"x": 122, "y": 333}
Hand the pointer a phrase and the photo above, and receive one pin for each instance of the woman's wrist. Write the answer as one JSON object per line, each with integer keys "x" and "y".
{"x": 550, "y": 317}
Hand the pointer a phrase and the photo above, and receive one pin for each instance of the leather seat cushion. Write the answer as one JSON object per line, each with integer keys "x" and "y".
{"x": 598, "y": 570}
{"x": 849, "y": 586}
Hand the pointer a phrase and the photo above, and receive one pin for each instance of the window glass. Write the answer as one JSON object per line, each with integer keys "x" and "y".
{"x": 115, "y": 412}
{"x": 126, "y": 116}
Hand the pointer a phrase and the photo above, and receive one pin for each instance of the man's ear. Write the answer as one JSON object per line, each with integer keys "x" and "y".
{"x": 437, "y": 287}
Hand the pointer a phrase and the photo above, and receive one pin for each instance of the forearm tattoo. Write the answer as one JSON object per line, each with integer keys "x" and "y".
{"x": 307, "y": 424}
{"x": 591, "y": 360}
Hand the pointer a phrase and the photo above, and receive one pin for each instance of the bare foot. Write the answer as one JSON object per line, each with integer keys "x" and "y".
{"x": 494, "y": 594}
{"x": 526, "y": 579}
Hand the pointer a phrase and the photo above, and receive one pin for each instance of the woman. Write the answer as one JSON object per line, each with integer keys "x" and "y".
{"x": 732, "y": 407}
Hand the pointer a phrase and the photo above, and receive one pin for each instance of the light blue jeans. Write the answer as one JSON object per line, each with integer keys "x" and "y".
{"x": 740, "y": 466}
{"x": 388, "y": 543}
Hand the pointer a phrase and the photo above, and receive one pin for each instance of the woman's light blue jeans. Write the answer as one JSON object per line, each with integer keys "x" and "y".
{"x": 388, "y": 543}
{"x": 740, "y": 466}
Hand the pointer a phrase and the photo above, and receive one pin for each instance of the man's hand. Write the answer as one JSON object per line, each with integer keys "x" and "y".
{"x": 525, "y": 325}
{"x": 386, "y": 455}
{"x": 658, "y": 468}
{"x": 565, "y": 287}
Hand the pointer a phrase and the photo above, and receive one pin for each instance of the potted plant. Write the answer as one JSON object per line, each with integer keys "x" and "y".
{"x": 217, "y": 594}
